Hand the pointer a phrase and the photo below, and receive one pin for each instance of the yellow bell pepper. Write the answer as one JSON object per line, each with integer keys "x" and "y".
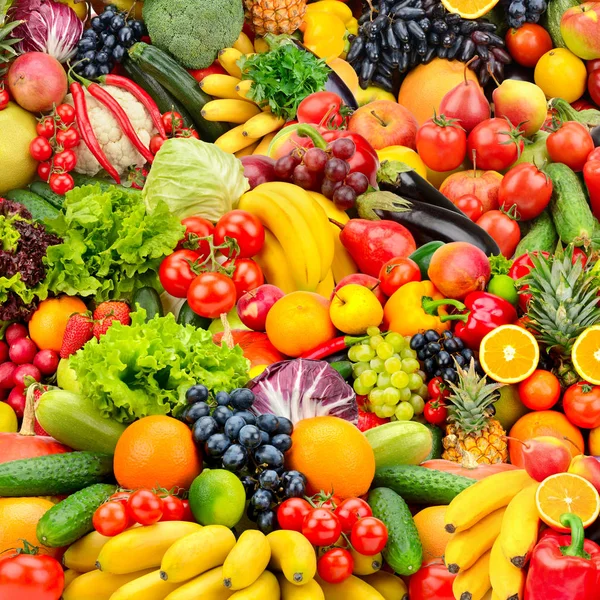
{"x": 333, "y": 7}
{"x": 352, "y": 26}
{"x": 324, "y": 34}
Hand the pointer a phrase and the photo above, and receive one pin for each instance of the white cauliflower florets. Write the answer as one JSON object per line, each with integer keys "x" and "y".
{"x": 119, "y": 151}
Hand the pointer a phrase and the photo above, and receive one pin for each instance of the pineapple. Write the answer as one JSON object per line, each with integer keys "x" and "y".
{"x": 7, "y": 52}
{"x": 275, "y": 16}
{"x": 471, "y": 430}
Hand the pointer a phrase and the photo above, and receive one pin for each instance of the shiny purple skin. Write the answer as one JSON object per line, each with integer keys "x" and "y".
{"x": 258, "y": 169}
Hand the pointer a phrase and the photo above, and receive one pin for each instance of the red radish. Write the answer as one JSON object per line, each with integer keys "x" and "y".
{"x": 47, "y": 361}
{"x": 22, "y": 351}
{"x": 3, "y": 351}
{"x": 7, "y": 371}
{"x": 16, "y": 400}
{"x": 253, "y": 306}
{"x": 15, "y": 332}
{"x": 23, "y": 371}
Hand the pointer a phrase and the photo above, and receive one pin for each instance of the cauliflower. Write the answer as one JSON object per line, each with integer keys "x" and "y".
{"x": 119, "y": 151}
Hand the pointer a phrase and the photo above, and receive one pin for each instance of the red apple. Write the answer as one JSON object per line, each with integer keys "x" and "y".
{"x": 580, "y": 28}
{"x": 253, "y": 306}
{"x": 367, "y": 281}
{"x": 482, "y": 184}
{"x": 385, "y": 123}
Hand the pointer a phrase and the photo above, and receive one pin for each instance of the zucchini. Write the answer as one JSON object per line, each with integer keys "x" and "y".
{"x": 422, "y": 256}
{"x": 551, "y": 19}
{"x": 43, "y": 189}
{"x": 187, "y": 316}
{"x": 54, "y": 474}
{"x": 541, "y": 237}
{"x": 36, "y": 205}
{"x": 71, "y": 519}
{"x": 418, "y": 485}
{"x": 437, "y": 435}
{"x": 343, "y": 367}
{"x": 403, "y": 551}
{"x": 172, "y": 76}
{"x": 148, "y": 299}
{"x": 399, "y": 443}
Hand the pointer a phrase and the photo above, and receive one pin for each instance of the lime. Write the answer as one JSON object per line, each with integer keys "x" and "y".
{"x": 509, "y": 408}
{"x": 504, "y": 286}
{"x": 217, "y": 497}
{"x": 8, "y": 419}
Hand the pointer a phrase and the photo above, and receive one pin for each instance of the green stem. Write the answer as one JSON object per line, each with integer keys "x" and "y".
{"x": 304, "y": 130}
{"x": 575, "y": 523}
{"x": 430, "y": 307}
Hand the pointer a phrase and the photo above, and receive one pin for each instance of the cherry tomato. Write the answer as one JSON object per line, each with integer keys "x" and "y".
{"x": 441, "y": 143}
{"x": 570, "y": 144}
{"x": 592, "y": 65}
{"x": 172, "y": 120}
{"x": 173, "y": 509}
{"x": 156, "y": 143}
{"x": 40, "y": 149}
{"x": 61, "y": 183}
{"x": 321, "y": 108}
{"x": 432, "y": 580}
{"x": 188, "y": 515}
{"x": 471, "y": 205}
{"x": 43, "y": 170}
{"x": 111, "y": 518}
{"x": 68, "y": 138}
{"x": 350, "y": 511}
{"x": 46, "y": 127}
{"x": 245, "y": 229}
{"x": 66, "y": 113}
{"x": 369, "y": 536}
{"x": 145, "y": 507}
{"x": 247, "y": 275}
{"x": 122, "y": 497}
{"x": 435, "y": 411}
{"x": 593, "y": 86}
{"x": 335, "y": 565}
{"x": 540, "y": 391}
{"x": 528, "y": 43}
{"x": 582, "y": 104}
{"x": 438, "y": 388}
{"x": 321, "y": 527}
{"x": 291, "y": 513}
{"x": 31, "y": 577}
{"x": 527, "y": 189}
{"x": 65, "y": 160}
{"x": 332, "y": 503}
{"x": 504, "y": 230}
{"x": 497, "y": 144}
{"x": 211, "y": 294}
{"x": 196, "y": 227}
{"x": 4, "y": 98}
{"x": 581, "y": 404}
{"x": 397, "y": 272}
{"x": 176, "y": 274}
{"x": 187, "y": 132}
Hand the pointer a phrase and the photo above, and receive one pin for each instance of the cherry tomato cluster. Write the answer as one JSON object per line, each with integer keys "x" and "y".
{"x": 335, "y": 527}
{"x": 4, "y": 97}
{"x": 53, "y": 148}
{"x": 436, "y": 411}
{"x": 174, "y": 128}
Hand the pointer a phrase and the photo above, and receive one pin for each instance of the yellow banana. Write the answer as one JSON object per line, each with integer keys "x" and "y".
{"x": 83, "y": 554}
{"x": 70, "y": 576}
{"x": 233, "y": 141}
{"x": 228, "y": 58}
{"x": 325, "y": 287}
{"x": 273, "y": 263}
{"x": 264, "y": 144}
{"x": 208, "y": 586}
{"x": 520, "y": 527}
{"x": 243, "y": 88}
{"x": 247, "y": 151}
{"x": 265, "y": 587}
{"x": 142, "y": 547}
{"x": 473, "y": 583}
{"x": 262, "y": 124}
{"x": 244, "y": 44}
{"x": 352, "y": 588}
{"x": 366, "y": 565}
{"x": 483, "y": 498}
{"x": 293, "y": 555}
{"x": 220, "y": 86}
{"x": 196, "y": 553}
{"x": 147, "y": 587}
{"x": 247, "y": 561}
{"x": 464, "y": 548}
{"x": 508, "y": 581}
{"x": 96, "y": 585}
{"x": 310, "y": 591}
{"x": 388, "y": 585}
{"x": 231, "y": 111}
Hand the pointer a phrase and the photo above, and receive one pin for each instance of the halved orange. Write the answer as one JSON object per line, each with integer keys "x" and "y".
{"x": 586, "y": 355}
{"x": 567, "y": 493}
{"x": 509, "y": 354}
{"x": 469, "y": 9}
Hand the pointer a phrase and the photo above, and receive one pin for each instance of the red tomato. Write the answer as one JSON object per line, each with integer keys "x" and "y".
{"x": 504, "y": 230}
{"x": 321, "y": 527}
{"x": 4, "y": 98}
{"x": 497, "y": 144}
{"x": 176, "y": 274}
{"x": 435, "y": 411}
{"x": 369, "y": 536}
{"x": 214, "y": 69}
{"x": 594, "y": 154}
{"x": 593, "y": 86}
{"x": 471, "y": 205}
{"x": 291, "y": 513}
{"x": 441, "y": 143}
{"x": 211, "y": 294}
{"x": 61, "y": 183}
{"x": 188, "y": 515}
{"x": 528, "y": 43}
{"x": 335, "y": 565}
{"x": 43, "y": 170}
{"x": 247, "y": 275}
{"x": 581, "y": 404}
{"x": 527, "y": 189}
{"x": 332, "y": 503}
{"x": 396, "y": 272}
{"x": 438, "y": 388}
{"x": 111, "y": 518}
{"x": 196, "y": 227}
{"x": 145, "y": 507}
{"x": 65, "y": 160}
{"x": 432, "y": 580}
{"x": 245, "y": 229}
{"x": 350, "y": 511}
{"x": 173, "y": 509}
{"x": 67, "y": 138}
{"x": 40, "y": 149}
{"x": 66, "y": 113}
{"x": 31, "y": 577}
{"x": 321, "y": 108}
{"x": 45, "y": 127}
{"x": 540, "y": 391}
{"x": 592, "y": 65}
{"x": 570, "y": 144}
{"x": 172, "y": 121}
{"x": 156, "y": 143}
{"x": 186, "y": 132}
{"x": 122, "y": 497}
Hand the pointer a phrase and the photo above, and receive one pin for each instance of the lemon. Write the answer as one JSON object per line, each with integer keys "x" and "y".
{"x": 561, "y": 74}
{"x": 8, "y": 419}
{"x": 405, "y": 155}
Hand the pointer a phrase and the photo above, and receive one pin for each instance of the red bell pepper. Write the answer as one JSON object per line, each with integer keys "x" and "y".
{"x": 591, "y": 175}
{"x": 432, "y": 580}
{"x": 365, "y": 158}
{"x": 564, "y": 567}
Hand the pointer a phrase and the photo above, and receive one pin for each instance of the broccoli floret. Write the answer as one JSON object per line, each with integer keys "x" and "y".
{"x": 193, "y": 31}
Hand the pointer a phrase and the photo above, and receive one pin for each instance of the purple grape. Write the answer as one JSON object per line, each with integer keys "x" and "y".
{"x": 358, "y": 182}
{"x": 344, "y": 197}
{"x": 343, "y": 148}
{"x": 315, "y": 159}
{"x": 303, "y": 177}
{"x": 284, "y": 167}
{"x": 336, "y": 169}
{"x": 329, "y": 187}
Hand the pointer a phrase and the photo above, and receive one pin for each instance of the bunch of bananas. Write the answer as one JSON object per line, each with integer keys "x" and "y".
{"x": 302, "y": 248}
{"x": 495, "y": 524}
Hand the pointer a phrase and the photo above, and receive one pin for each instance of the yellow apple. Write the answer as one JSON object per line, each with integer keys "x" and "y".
{"x": 371, "y": 94}
{"x": 354, "y": 308}
{"x": 80, "y": 7}
{"x": 121, "y": 5}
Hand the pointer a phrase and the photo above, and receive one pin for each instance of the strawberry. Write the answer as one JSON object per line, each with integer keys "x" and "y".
{"x": 106, "y": 313}
{"x": 368, "y": 420}
{"x": 78, "y": 332}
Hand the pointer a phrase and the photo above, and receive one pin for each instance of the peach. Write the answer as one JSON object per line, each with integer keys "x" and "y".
{"x": 587, "y": 467}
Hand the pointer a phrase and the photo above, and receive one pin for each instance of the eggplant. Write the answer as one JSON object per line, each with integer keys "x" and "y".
{"x": 595, "y": 132}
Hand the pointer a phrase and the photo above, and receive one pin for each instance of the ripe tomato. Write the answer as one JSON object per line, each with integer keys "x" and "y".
{"x": 196, "y": 227}
{"x": 145, "y": 507}
{"x": 528, "y": 43}
{"x": 570, "y": 144}
{"x": 581, "y": 404}
{"x": 321, "y": 527}
{"x": 67, "y": 138}
{"x": 497, "y": 144}
{"x": 432, "y": 580}
{"x": 245, "y": 229}
{"x": 187, "y": 132}
{"x": 188, "y": 515}
{"x": 593, "y": 86}
{"x": 45, "y": 127}
{"x": 527, "y": 189}
{"x": 66, "y": 113}
{"x": 65, "y": 160}
{"x": 504, "y": 230}
{"x": 173, "y": 509}
{"x": 156, "y": 143}
{"x": 471, "y": 205}
{"x": 321, "y": 108}
{"x": 176, "y": 273}
{"x": 40, "y": 149}
{"x": 540, "y": 391}
{"x": 122, "y": 497}
{"x": 396, "y": 272}
{"x": 291, "y": 513}
{"x": 331, "y": 503}
{"x": 441, "y": 143}
{"x": 335, "y": 565}
{"x": 438, "y": 389}
{"x": 4, "y": 98}
{"x": 369, "y": 536}
{"x": 435, "y": 411}
{"x": 211, "y": 294}
{"x": 31, "y": 577}
{"x": 111, "y": 518}
{"x": 61, "y": 183}
{"x": 43, "y": 170}
{"x": 592, "y": 65}
{"x": 172, "y": 120}
{"x": 350, "y": 511}
{"x": 247, "y": 275}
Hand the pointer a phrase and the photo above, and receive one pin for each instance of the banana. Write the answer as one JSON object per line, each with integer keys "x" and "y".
{"x": 233, "y": 141}
{"x": 83, "y": 554}
{"x": 293, "y": 555}
{"x": 247, "y": 151}
{"x": 352, "y": 588}
{"x": 366, "y": 565}
{"x": 70, "y": 576}
{"x": 265, "y": 587}
{"x": 273, "y": 263}
{"x": 464, "y": 548}
{"x": 262, "y": 124}
{"x": 228, "y": 58}
{"x": 196, "y": 553}
{"x": 230, "y": 111}
{"x": 473, "y": 583}
{"x": 243, "y": 87}
{"x": 520, "y": 527}
{"x": 325, "y": 287}
{"x": 244, "y": 44}
{"x": 388, "y": 585}
{"x": 220, "y": 86}
{"x": 508, "y": 581}
{"x": 209, "y": 586}
{"x": 310, "y": 591}
{"x": 147, "y": 587}
{"x": 263, "y": 146}
{"x": 142, "y": 547}
{"x": 483, "y": 498}
{"x": 247, "y": 561}
{"x": 96, "y": 585}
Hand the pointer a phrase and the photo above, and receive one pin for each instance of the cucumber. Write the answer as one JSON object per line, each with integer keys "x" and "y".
{"x": 541, "y": 237}
{"x": 570, "y": 210}
{"x": 54, "y": 474}
{"x": 75, "y": 421}
{"x": 176, "y": 80}
{"x": 436, "y": 447}
{"x": 36, "y": 205}
{"x": 422, "y": 256}
{"x": 105, "y": 184}
{"x": 187, "y": 316}
{"x": 71, "y": 519}
{"x": 418, "y": 485}
{"x": 149, "y": 299}
{"x": 343, "y": 367}
{"x": 42, "y": 189}
{"x": 551, "y": 19}
{"x": 399, "y": 443}
{"x": 403, "y": 551}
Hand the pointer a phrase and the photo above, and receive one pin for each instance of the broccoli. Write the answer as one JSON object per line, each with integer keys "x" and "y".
{"x": 193, "y": 31}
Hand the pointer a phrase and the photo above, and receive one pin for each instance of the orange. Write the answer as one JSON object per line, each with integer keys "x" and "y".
{"x": 509, "y": 354}
{"x": 594, "y": 441}
{"x": 18, "y": 521}
{"x": 544, "y": 422}
{"x": 157, "y": 451}
{"x": 586, "y": 355}
{"x": 567, "y": 493}
{"x": 424, "y": 87}
{"x": 334, "y": 455}
{"x": 469, "y": 9}
{"x": 47, "y": 326}
{"x": 432, "y": 532}
{"x": 299, "y": 322}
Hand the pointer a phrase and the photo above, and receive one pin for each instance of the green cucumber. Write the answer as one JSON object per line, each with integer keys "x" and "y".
{"x": 105, "y": 184}
{"x": 187, "y": 316}
{"x": 436, "y": 447}
{"x": 54, "y": 474}
{"x": 399, "y": 443}
{"x": 42, "y": 189}
{"x": 149, "y": 299}
{"x": 71, "y": 519}
{"x": 570, "y": 210}
{"x": 343, "y": 367}
{"x": 422, "y": 256}
{"x": 552, "y": 17}
{"x": 541, "y": 237}
{"x": 36, "y": 205}
{"x": 418, "y": 485}
{"x": 403, "y": 551}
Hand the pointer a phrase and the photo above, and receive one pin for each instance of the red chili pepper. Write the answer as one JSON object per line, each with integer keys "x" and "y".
{"x": 591, "y": 175}
{"x": 141, "y": 95}
{"x": 87, "y": 131}
{"x": 332, "y": 346}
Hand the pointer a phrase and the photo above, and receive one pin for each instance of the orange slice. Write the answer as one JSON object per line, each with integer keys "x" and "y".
{"x": 509, "y": 354}
{"x": 470, "y": 9}
{"x": 586, "y": 355}
{"x": 567, "y": 493}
